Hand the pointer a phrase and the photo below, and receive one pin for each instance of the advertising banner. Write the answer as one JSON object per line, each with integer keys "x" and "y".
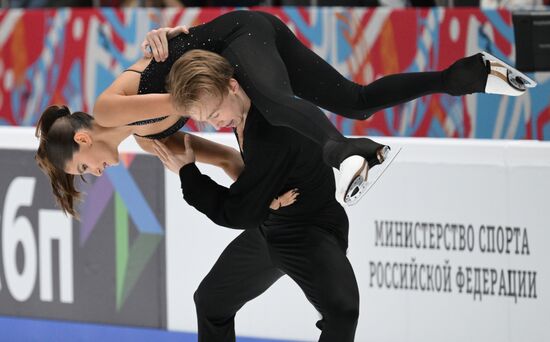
{"x": 451, "y": 245}
{"x": 70, "y": 56}
{"x": 105, "y": 268}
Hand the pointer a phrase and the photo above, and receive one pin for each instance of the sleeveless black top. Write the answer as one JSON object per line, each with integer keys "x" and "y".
{"x": 213, "y": 36}
{"x": 143, "y": 87}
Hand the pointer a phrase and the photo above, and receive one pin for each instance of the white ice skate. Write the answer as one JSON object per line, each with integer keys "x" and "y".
{"x": 353, "y": 183}
{"x": 504, "y": 79}
{"x": 353, "y": 173}
{"x": 360, "y": 187}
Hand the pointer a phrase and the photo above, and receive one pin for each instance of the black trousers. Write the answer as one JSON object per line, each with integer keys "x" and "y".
{"x": 313, "y": 257}
{"x": 287, "y": 82}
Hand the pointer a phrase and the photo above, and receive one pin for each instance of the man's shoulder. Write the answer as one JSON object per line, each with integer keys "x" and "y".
{"x": 260, "y": 129}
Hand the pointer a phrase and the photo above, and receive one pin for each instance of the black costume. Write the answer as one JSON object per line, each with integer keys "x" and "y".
{"x": 306, "y": 240}
{"x": 286, "y": 81}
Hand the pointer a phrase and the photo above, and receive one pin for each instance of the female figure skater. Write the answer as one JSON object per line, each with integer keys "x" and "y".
{"x": 287, "y": 82}
{"x": 307, "y": 240}
{"x": 74, "y": 144}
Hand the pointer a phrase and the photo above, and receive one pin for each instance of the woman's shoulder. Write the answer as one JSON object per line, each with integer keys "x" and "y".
{"x": 140, "y": 64}
{"x": 127, "y": 83}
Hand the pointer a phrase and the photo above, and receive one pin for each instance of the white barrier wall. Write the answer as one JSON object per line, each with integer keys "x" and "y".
{"x": 450, "y": 245}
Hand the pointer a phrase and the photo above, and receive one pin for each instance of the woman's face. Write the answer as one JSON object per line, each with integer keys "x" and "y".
{"x": 221, "y": 112}
{"x": 93, "y": 157}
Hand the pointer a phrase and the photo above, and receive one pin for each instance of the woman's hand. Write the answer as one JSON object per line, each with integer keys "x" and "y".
{"x": 155, "y": 43}
{"x": 174, "y": 162}
{"x": 285, "y": 199}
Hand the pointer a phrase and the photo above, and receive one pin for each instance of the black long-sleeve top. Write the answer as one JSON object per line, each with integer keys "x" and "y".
{"x": 276, "y": 159}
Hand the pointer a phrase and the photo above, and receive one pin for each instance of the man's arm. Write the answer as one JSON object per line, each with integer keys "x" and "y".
{"x": 245, "y": 204}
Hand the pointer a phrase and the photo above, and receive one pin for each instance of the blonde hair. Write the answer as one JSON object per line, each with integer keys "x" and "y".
{"x": 55, "y": 129}
{"x": 196, "y": 73}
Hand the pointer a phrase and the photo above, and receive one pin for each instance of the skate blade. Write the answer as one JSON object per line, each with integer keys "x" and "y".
{"x": 356, "y": 191}
{"x": 361, "y": 186}
{"x": 516, "y": 78}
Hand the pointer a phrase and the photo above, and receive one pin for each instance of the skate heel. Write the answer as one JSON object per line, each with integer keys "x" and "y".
{"x": 353, "y": 177}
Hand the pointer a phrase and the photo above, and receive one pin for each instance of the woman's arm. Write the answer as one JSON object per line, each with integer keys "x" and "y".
{"x": 120, "y": 105}
{"x": 209, "y": 152}
{"x": 206, "y": 151}
{"x": 114, "y": 109}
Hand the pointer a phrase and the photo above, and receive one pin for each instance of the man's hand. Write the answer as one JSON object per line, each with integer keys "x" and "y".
{"x": 155, "y": 43}
{"x": 174, "y": 162}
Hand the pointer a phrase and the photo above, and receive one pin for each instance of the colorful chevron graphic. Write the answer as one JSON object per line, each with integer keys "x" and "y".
{"x": 117, "y": 187}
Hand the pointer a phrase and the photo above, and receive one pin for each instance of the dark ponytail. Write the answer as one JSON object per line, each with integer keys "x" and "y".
{"x": 56, "y": 129}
